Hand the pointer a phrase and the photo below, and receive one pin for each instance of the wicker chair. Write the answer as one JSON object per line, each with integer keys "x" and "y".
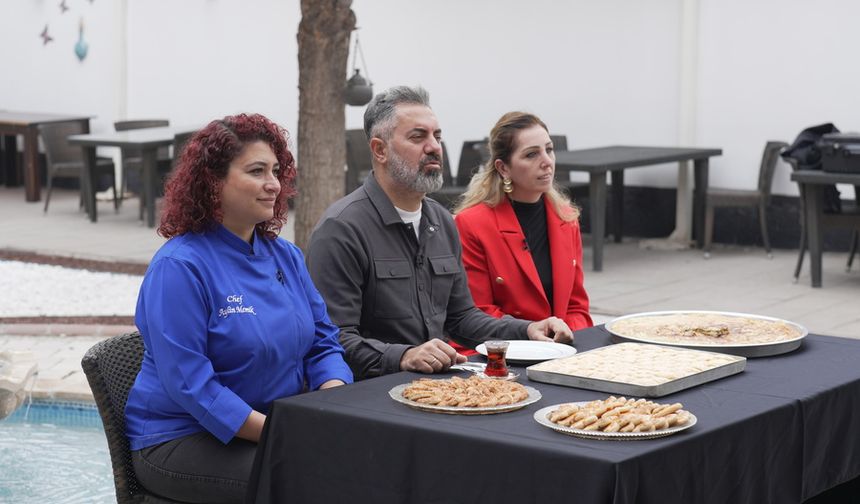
{"x": 472, "y": 155}
{"x": 67, "y": 161}
{"x": 132, "y": 159}
{"x": 848, "y": 217}
{"x": 358, "y": 163}
{"x": 759, "y": 197}
{"x": 111, "y": 367}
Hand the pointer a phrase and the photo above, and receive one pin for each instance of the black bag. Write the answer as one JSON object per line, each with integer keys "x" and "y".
{"x": 840, "y": 152}
{"x": 806, "y": 152}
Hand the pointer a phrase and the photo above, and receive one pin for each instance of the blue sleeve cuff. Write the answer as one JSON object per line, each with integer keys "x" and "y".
{"x": 225, "y": 415}
{"x": 330, "y": 367}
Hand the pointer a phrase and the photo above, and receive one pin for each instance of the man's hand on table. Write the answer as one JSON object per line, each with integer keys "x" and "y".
{"x": 550, "y": 329}
{"x": 431, "y": 357}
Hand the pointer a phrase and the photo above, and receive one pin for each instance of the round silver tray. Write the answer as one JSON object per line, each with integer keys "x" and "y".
{"x": 744, "y": 350}
{"x": 542, "y": 417}
{"x": 396, "y": 393}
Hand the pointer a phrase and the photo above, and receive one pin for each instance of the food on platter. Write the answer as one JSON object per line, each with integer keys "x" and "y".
{"x": 636, "y": 363}
{"x": 619, "y": 414}
{"x": 472, "y": 392}
{"x": 705, "y": 328}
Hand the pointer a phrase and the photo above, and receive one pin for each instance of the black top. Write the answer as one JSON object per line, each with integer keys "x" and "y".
{"x": 532, "y": 217}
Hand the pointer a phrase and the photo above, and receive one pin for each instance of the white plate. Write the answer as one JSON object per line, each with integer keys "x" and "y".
{"x": 397, "y": 394}
{"x": 542, "y": 417}
{"x": 532, "y": 351}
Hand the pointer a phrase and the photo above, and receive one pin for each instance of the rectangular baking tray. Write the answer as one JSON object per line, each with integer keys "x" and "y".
{"x": 630, "y": 389}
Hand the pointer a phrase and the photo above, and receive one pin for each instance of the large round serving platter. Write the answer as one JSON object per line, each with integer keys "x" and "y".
{"x": 743, "y": 349}
{"x": 396, "y": 393}
{"x": 531, "y": 352}
{"x": 542, "y": 417}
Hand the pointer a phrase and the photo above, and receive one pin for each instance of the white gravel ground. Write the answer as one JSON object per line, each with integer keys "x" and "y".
{"x": 30, "y": 290}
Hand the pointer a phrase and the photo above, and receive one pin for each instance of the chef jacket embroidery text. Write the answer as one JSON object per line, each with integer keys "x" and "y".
{"x": 235, "y": 306}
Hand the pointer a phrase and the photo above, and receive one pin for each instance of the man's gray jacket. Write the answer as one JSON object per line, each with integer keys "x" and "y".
{"x": 388, "y": 291}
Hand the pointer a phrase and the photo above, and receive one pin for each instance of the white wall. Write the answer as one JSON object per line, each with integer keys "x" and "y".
{"x": 601, "y": 72}
{"x": 49, "y": 78}
{"x": 768, "y": 69}
{"x": 197, "y": 60}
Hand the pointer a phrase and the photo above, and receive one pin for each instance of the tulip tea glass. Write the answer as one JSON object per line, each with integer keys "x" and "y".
{"x": 496, "y": 365}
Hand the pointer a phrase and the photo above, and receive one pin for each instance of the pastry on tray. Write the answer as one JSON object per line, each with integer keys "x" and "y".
{"x": 472, "y": 392}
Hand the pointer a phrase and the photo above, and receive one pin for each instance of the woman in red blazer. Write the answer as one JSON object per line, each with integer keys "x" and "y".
{"x": 522, "y": 247}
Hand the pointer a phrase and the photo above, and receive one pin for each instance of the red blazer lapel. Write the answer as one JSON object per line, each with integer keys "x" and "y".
{"x": 561, "y": 255}
{"x": 512, "y": 233}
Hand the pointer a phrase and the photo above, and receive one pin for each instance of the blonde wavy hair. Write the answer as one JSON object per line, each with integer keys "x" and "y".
{"x": 486, "y": 185}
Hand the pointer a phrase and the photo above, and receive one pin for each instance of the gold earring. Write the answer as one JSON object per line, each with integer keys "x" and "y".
{"x": 507, "y": 185}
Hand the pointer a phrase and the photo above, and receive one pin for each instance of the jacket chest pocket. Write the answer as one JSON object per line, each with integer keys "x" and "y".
{"x": 445, "y": 269}
{"x": 393, "y": 297}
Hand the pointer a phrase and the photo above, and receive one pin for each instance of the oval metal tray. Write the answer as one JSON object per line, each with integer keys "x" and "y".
{"x": 744, "y": 350}
{"x": 542, "y": 417}
{"x": 396, "y": 393}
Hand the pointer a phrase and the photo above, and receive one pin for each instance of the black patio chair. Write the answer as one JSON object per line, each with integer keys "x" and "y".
{"x": 759, "y": 197}
{"x": 179, "y": 141}
{"x": 576, "y": 190}
{"x": 132, "y": 159}
{"x": 451, "y": 190}
{"x": 111, "y": 366}
{"x": 358, "y": 162}
{"x": 67, "y": 161}
{"x": 847, "y": 217}
{"x": 472, "y": 155}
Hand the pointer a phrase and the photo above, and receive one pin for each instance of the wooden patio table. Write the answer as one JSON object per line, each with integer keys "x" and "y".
{"x": 13, "y": 123}
{"x": 616, "y": 159}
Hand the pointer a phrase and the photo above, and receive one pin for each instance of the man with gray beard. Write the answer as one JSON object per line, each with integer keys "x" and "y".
{"x": 386, "y": 259}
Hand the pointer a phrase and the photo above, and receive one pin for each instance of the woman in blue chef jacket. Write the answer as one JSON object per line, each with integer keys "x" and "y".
{"x": 229, "y": 316}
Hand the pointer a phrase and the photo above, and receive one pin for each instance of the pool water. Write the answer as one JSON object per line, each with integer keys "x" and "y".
{"x": 55, "y": 452}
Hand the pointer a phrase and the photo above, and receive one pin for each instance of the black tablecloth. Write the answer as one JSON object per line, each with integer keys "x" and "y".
{"x": 784, "y": 430}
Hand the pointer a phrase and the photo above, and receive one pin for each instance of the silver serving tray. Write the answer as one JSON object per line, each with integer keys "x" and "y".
{"x": 541, "y": 416}
{"x": 396, "y": 393}
{"x": 744, "y": 350}
{"x": 632, "y": 389}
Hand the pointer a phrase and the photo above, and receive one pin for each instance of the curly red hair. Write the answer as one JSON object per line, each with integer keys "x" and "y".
{"x": 192, "y": 194}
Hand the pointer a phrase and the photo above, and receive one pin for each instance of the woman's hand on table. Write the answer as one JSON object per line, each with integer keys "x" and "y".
{"x": 550, "y": 329}
{"x": 332, "y": 384}
{"x": 252, "y": 429}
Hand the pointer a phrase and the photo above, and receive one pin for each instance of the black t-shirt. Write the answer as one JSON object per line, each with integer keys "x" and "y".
{"x": 532, "y": 218}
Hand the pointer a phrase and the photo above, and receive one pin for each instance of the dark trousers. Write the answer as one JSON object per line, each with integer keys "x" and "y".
{"x": 196, "y": 468}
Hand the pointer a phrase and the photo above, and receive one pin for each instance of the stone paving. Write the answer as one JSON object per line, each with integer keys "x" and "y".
{"x": 59, "y": 374}
{"x": 634, "y": 280}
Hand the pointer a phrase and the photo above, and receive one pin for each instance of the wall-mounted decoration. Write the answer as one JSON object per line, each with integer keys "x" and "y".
{"x": 63, "y": 7}
{"x": 45, "y": 37}
{"x": 82, "y": 46}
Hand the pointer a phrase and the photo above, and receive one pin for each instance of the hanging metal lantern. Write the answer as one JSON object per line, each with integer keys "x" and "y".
{"x": 358, "y": 90}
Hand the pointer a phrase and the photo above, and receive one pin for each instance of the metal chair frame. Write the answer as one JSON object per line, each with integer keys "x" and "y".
{"x": 759, "y": 197}
{"x": 132, "y": 159}
{"x": 65, "y": 160}
{"x": 827, "y": 221}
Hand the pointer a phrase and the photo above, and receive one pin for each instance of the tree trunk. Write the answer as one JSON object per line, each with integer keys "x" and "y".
{"x": 323, "y": 39}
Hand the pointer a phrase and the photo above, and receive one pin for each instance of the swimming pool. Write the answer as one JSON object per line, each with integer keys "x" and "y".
{"x": 55, "y": 452}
